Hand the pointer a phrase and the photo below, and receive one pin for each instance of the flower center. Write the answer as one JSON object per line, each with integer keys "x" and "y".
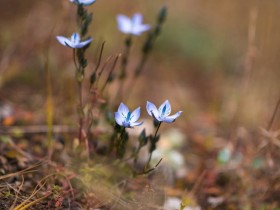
{"x": 128, "y": 117}
{"x": 163, "y": 111}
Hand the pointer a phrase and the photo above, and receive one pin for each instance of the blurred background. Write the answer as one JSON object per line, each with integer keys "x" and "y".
{"x": 215, "y": 60}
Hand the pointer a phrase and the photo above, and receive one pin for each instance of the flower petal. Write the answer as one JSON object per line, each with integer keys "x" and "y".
{"x": 64, "y": 41}
{"x": 135, "y": 115}
{"x": 164, "y": 109}
{"x": 86, "y": 2}
{"x": 136, "y": 19}
{"x": 84, "y": 43}
{"x": 172, "y": 118}
{"x": 152, "y": 110}
{"x": 119, "y": 118}
{"x": 123, "y": 110}
{"x": 139, "y": 29}
{"x": 75, "y": 38}
{"x": 132, "y": 124}
{"x": 124, "y": 24}
{"x": 83, "y": 2}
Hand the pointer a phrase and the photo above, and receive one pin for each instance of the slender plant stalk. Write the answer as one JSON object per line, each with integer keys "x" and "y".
{"x": 273, "y": 115}
{"x": 80, "y": 110}
{"x": 122, "y": 76}
{"x": 80, "y": 103}
{"x": 136, "y": 153}
{"x": 49, "y": 102}
{"x": 150, "y": 156}
{"x": 110, "y": 73}
{"x": 120, "y": 141}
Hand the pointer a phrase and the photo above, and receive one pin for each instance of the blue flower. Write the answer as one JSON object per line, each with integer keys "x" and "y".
{"x": 132, "y": 25}
{"x": 83, "y": 2}
{"x": 126, "y": 118}
{"x": 162, "y": 113}
{"x": 74, "y": 41}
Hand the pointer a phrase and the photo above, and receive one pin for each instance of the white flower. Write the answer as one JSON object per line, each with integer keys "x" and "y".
{"x": 162, "y": 114}
{"x": 174, "y": 203}
{"x": 132, "y": 25}
{"x": 126, "y": 118}
{"x": 74, "y": 41}
{"x": 83, "y": 2}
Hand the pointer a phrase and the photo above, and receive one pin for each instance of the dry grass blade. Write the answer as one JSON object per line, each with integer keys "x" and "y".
{"x": 38, "y": 187}
{"x": 24, "y": 171}
{"x": 33, "y": 202}
{"x": 17, "y": 192}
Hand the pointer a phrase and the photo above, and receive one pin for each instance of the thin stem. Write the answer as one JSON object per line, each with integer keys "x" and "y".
{"x": 149, "y": 170}
{"x": 136, "y": 75}
{"x": 80, "y": 104}
{"x": 74, "y": 59}
{"x": 100, "y": 57}
{"x": 150, "y": 156}
{"x": 136, "y": 153}
{"x": 101, "y": 71}
{"x": 80, "y": 108}
{"x": 157, "y": 129}
{"x": 120, "y": 142}
{"x": 141, "y": 64}
{"x": 273, "y": 115}
{"x": 110, "y": 73}
{"x": 128, "y": 43}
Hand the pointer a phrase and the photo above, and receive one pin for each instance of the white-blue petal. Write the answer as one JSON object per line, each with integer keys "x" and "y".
{"x": 137, "y": 19}
{"x": 119, "y": 118}
{"x": 135, "y": 115}
{"x": 139, "y": 29}
{"x": 63, "y": 40}
{"x": 132, "y": 124}
{"x": 86, "y": 2}
{"x": 123, "y": 110}
{"x": 75, "y": 38}
{"x": 83, "y": 2}
{"x": 84, "y": 43}
{"x": 172, "y": 118}
{"x": 164, "y": 109}
{"x": 152, "y": 110}
{"x": 124, "y": 24}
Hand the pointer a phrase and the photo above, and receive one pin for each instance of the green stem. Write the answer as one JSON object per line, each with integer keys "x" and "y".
{"x": 120, "y": 143}
{"x": 157, "y": 129}
{"x": 136, "y": 153}
{"x": 74, "y": 59}
{"x": 151, "y": 152}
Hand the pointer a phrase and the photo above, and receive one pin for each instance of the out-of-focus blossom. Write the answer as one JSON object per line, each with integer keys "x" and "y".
{"x": 162, "y": 113}
{"x": 175, "y": 203}
{"x": 215, "y": 201}
{"x": 74, "y": 41}
{"x": 132, "y": 25}
{"x": 83, "y": 2}
{"x": 126, "y": 118}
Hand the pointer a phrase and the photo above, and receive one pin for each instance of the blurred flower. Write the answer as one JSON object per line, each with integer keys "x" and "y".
{"x": 83, "y": 2}
{"x": 215, "y": 201}
{"x": 126, "y": 118}
{"x": 162, "y": 114}
{"x": 132, "y": 25}
{"x": 174, "y": 158}
{"x": 74, "y": 41}
{"x": 175, "y": 203}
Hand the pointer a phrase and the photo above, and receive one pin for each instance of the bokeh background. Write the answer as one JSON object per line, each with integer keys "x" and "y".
{"x": 214, "y": 59}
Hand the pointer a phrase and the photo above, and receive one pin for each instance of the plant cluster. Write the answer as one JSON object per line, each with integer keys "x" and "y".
{"x": 123, "y": 118}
